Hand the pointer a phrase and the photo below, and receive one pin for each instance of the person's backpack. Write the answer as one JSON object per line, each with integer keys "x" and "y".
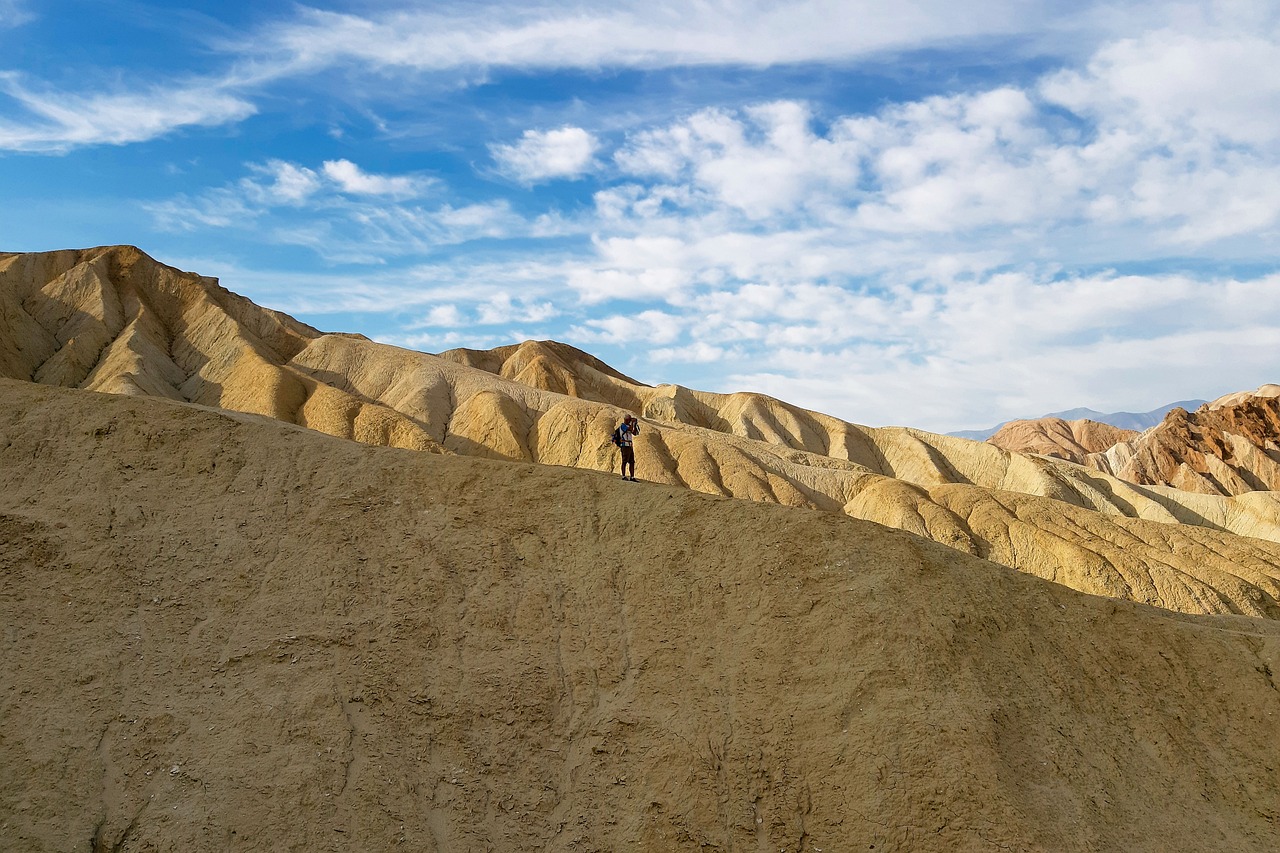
{"x": 616, "y": 436}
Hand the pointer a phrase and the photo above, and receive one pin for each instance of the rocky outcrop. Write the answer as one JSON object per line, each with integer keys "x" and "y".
{"x": 1228, "y": 447}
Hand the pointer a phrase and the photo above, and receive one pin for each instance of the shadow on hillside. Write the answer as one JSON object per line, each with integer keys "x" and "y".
{"x": 1184, "y": 514}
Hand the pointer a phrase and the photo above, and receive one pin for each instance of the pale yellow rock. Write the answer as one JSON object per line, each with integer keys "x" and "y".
{"x": 1238, "y": 397}
{"x": 490, "y": 424}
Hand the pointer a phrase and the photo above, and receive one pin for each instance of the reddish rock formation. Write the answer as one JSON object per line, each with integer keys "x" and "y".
{"x": 1070, "y": 440}
{"x": 1227, "y": 447}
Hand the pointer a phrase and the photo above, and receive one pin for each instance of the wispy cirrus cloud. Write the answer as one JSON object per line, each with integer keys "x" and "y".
{"x": 633, "y": 34}
{"x": 15, "y": 13}
{"x": 438, "y": 296}
{"x": 465, "y": 39}
{"x": 57, "y": 121}
{"x": 460, "y": 39}
{"x": 345, "y": 214}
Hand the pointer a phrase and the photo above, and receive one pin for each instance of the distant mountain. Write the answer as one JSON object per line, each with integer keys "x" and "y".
{"x": 1136, "y": 421}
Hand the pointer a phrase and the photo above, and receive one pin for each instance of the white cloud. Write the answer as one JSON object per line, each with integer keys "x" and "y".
{"x": 275, "y": 183}
{"x": 337, "y": 213}
{"x": 767, "y": 163}
{"x": 1184, "y": 128}
{"x": 215, "y": 209}
{"x": 442, "y": 315}
{"x": 699, "y": 352}
{"x": 456, "y": 290}
{"x": 502, "y": 308}
{"x": 464, "y": 39}
{"x": 1130, "y": 176}
{"x": 1180, "y": 84}
{"x": 288, "y": 183}
{"x": 485, "y": 306}
{"x": 60, "y": 121}
{"x": 492, "y": 219}
{"x": 352, "y": 179}
{"x": 594, "y": 284}
{"x": 645, "y": 328}
{"x": 1012, "y": 346}
{"x": 14, "y": 13}
{"x": 542, "y": 155}
{"x": 439, "y": 342}
{"x": 630, "y": 33}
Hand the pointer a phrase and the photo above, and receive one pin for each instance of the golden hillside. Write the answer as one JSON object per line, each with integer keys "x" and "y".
{"x": 223, "y": 633}
{"x": 112, "y": 319}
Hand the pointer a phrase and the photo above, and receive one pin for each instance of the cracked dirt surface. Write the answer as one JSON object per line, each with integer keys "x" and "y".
{"x": 223, "y": 633}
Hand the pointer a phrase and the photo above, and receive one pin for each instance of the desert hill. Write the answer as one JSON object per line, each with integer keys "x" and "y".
{"x": 1226, "y": 447}
{"x": 1071, "y": 440}
{"x": 225, "y": 633}
{"x": 112, "y": 319}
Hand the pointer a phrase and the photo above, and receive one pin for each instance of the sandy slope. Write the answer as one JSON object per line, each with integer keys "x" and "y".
{"x": 113, "y": 319}
{"x": 224, "y": 633}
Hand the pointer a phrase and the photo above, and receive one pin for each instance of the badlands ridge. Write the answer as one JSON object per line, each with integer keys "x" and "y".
{"x": 223, "y": 632}
{"x": 116, "y": 321}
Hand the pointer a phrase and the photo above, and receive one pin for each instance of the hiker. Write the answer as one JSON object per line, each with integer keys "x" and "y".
{"x": 623, "y": 436}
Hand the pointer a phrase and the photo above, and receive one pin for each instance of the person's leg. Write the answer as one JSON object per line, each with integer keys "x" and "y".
{"x": 628, "y": 460}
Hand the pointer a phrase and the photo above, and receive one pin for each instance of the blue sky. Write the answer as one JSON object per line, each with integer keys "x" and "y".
{"x": 935, "y": 213}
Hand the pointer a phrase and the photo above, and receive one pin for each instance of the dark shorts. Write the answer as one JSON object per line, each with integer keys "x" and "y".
{"x": 628, "y": 454}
